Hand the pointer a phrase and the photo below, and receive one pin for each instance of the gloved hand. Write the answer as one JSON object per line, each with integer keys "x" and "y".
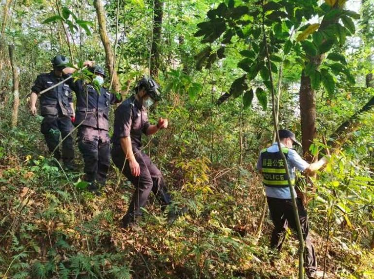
{"x": 72, "y": 118}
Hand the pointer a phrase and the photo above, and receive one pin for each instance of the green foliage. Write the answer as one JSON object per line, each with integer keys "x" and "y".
{"x": 69, "y": 18}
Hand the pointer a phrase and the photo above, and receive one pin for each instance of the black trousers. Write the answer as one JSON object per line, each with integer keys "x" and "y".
{"x": 94, "y": 144}
{"x": 55, "y": 129}
{"x": 149, "y": 180}
{"x": 282, "y": 215}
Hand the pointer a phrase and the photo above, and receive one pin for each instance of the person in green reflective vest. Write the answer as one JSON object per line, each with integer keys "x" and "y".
{"x": 275, "y": 180}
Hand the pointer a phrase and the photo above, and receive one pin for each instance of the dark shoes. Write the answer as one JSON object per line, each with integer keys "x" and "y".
{"x": 129, "y": 221}
{"x": 70, "y": 166}
{"x": 92, "y": 187}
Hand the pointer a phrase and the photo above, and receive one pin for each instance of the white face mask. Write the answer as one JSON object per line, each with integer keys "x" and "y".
{"x": 148, "y": 102}
{"x": 99, "y": 80}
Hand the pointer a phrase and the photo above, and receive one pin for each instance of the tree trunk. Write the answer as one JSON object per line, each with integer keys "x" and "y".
{"x": 15, "y": 71}
{"x": 156, "y": 40}
{"x": 109, "y": 57}
{"x": 5, "y": 16}
{"x": 308, "y": 115}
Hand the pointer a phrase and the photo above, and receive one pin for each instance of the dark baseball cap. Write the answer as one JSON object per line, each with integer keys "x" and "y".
{"x": 288, "y": 134}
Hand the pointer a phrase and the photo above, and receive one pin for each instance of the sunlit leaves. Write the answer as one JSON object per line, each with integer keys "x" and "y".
{"x": 330, "y": 2}
{"x": 311, "y": 28}
{"x": 73, "y": 26}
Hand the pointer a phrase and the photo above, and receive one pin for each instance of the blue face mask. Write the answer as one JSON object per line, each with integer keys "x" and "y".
{"x": 99, "y": 80}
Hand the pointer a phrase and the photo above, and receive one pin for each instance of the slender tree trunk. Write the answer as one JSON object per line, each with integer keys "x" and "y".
{"x": 109, "y": 57}
{"x": 307, "y": 98}
{"x": 5, "y": 16}
{"x": 66, "y": 33}
{"x": 156, "y": 39}
{"x": 308, "y": 115}
{"x": 15, "y": 71}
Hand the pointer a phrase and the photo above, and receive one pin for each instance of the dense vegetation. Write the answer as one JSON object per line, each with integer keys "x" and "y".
{"x": 218, "y": 64}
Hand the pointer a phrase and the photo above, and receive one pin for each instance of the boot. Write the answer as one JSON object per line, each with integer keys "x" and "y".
{"x": 92, "y": 187}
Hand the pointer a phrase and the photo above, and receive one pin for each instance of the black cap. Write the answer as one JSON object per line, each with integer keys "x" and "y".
{"x": 283, "y": 134}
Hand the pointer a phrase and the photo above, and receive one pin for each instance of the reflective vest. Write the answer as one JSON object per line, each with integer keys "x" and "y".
{"x": 273, "y": 168}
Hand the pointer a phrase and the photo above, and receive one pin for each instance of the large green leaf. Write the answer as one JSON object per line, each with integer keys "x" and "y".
{"x": 287, "y": 47}
{"x": 342, "y": 34}
{"x": 328, "y": 82}
{"x": 315, "y": 78}
{"x": 337, "y": 68}
{"x": 254, "y": 69}
{"x": 262, "y": 97}
{"x": 275, "y": 58}
{"x": 326, "y": 46}
{"x": 248, "y": 53}
{"x": 334, "y": 13}
{"x": 349, "y": 76}
{"x": 238, "y": 12}
{"x": 337, "y": 57}
{"x": 309, "y": 48}
{"x": 247, "y": 98}
{"x": 194, "y": 90}
{"x": 52, "y": 19}
{"x": 349, "y": 24}
{"x": 245, "y": 64}
{"x": 317, "y": 38}
{"x": 65, "y": 12}
{"x": 238, "y": 86}
{"x": 264, "y": 72}
{"x": 227, "y": 36}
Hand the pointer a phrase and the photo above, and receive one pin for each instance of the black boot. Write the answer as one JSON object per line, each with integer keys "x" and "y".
{"x": 92, "y": 187}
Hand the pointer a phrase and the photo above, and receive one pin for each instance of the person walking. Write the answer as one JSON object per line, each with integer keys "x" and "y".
{"x": 131, "y": 121}
{"x": 92, "y": 120}
{"x": 275, "y": 180}
{"x": 56, "y": 106}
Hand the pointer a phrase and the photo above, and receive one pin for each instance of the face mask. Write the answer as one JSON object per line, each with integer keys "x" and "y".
{"x": 148, "y": 102}
{"x": 99, "y": 80}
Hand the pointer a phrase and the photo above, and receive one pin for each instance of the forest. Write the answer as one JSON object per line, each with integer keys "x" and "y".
{"x": 231, "y": 74}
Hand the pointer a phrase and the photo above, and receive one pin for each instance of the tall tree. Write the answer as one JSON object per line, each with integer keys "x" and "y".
{"x": 15, "y": 71}
{"x": 156, "y": 38}
{"x": 109, "y": 56}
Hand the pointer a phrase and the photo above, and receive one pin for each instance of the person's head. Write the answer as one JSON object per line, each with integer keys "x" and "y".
{"x": 59, "y": 63}
{"x": 99, "y": 75}
{"x": 148, "y": 91}
{"x": 288, "y": 138}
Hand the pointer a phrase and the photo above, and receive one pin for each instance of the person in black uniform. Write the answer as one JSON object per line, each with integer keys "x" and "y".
{"x": 92, "y": 120}
{"x": 131, "y": 120}
{"x": 56, "y": 106}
